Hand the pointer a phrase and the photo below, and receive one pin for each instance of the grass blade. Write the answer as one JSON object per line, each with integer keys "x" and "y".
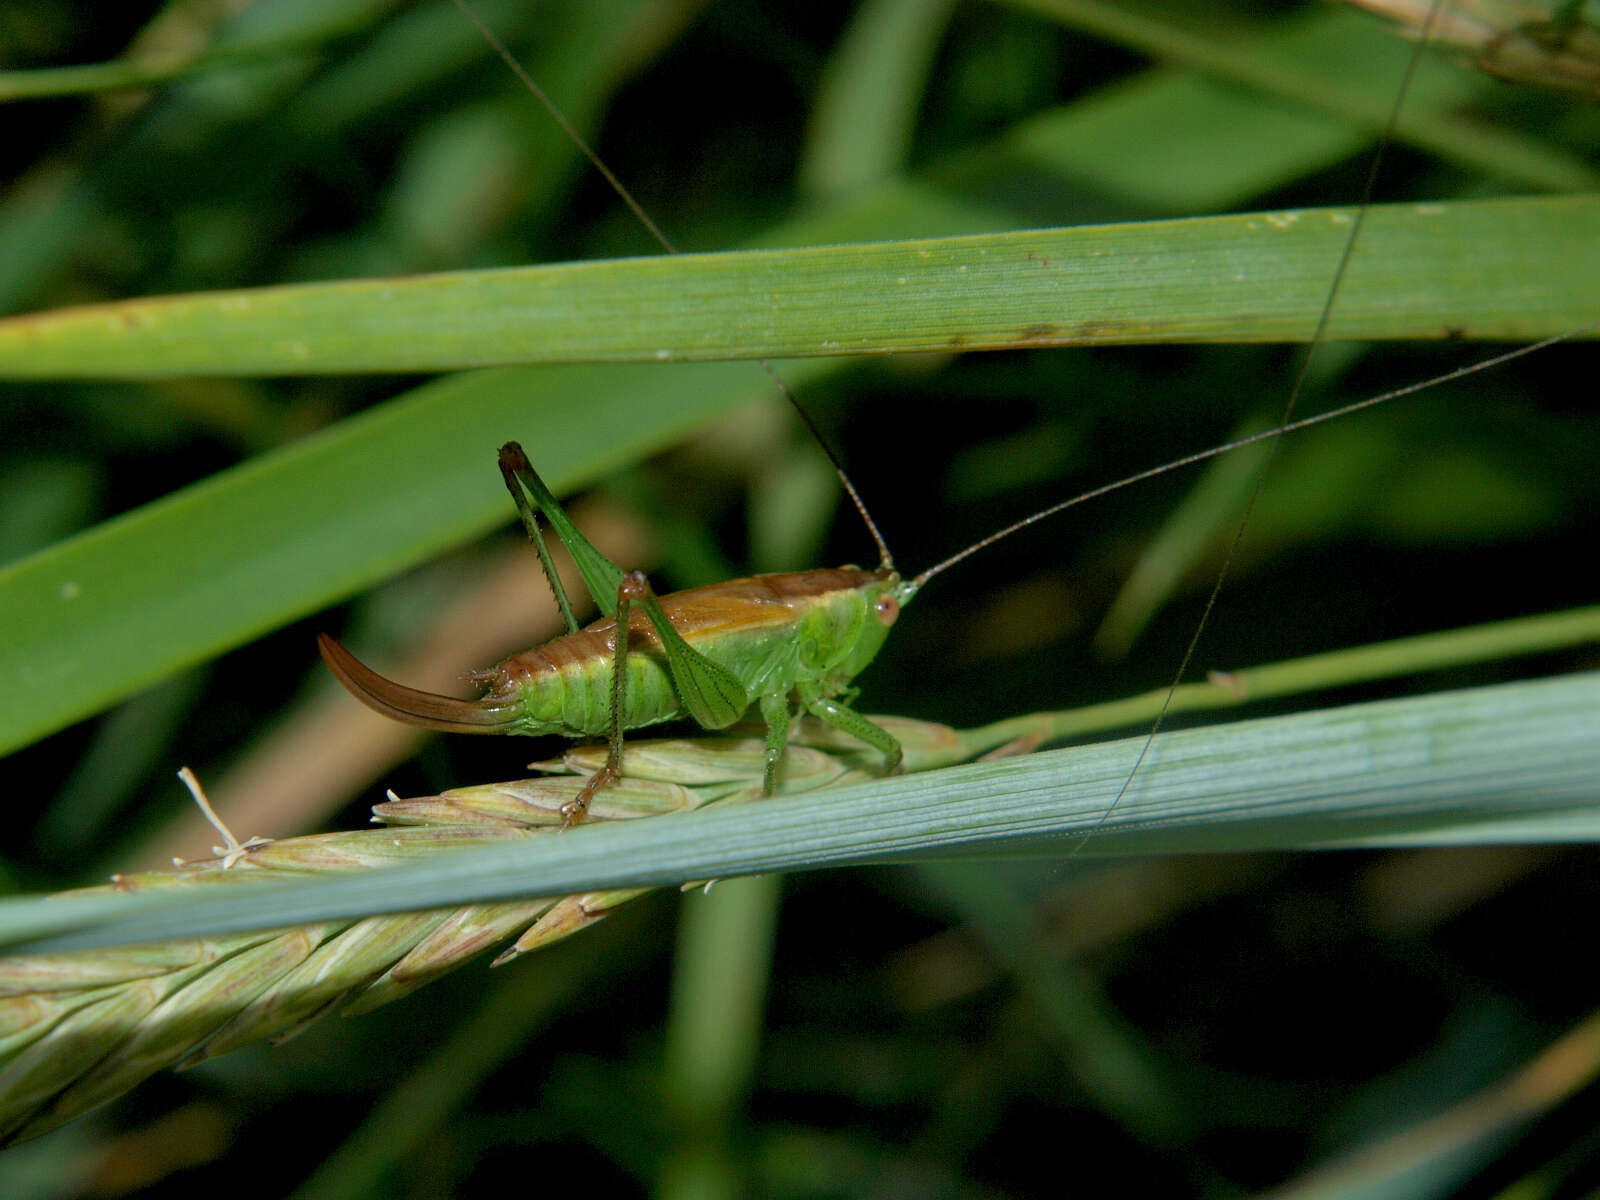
{"x": 1517, "y": 762}
{"x": 1237, "y": 278}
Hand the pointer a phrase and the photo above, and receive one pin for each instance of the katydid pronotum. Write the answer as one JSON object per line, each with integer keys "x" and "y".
{"x": 778, "y": 642}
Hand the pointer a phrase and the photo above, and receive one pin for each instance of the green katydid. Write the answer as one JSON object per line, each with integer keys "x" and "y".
{"x": 707, "y": 654}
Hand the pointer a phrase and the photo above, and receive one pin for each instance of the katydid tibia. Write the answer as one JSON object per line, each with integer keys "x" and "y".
{"x": 707, "y": 654}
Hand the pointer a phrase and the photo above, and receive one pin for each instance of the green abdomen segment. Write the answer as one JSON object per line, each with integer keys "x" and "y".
{"x": 565, "y": 685}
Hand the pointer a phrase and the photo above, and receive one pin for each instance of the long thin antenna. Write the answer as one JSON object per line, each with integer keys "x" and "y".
{"x": 567, "y": 127}
{"x": 885, "y": 559}
{"x": 1277, "y": 431}
{"x": 1368, "y": 188}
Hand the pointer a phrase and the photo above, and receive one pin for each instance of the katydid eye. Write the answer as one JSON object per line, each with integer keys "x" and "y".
{"x": 887, "y": 608}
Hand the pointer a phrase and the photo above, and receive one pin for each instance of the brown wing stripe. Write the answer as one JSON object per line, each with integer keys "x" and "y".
{"x": 426, "y": 709}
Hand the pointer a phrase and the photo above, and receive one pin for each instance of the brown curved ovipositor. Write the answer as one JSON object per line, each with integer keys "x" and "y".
{"x": 425, "y": 709}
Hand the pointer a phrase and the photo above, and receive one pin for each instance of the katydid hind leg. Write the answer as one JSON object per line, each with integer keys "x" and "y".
{"x": 630, "y": 591}
{"x": 530, "y": 522}
{"x": 600, "y": 575}
{"x": 711, "y": 693}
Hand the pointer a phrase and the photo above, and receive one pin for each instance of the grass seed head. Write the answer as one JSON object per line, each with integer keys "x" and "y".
{"x": 78, "y": 1029}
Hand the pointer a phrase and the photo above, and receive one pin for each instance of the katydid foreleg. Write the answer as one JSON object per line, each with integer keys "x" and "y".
{"x": 843, "y": 717}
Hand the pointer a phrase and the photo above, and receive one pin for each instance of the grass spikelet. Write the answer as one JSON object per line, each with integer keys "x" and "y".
{"x": 79, "y": 1029}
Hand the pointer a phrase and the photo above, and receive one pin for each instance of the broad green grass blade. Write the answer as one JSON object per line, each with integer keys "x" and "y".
{"x": 123, "y": 606}
{"x": 180, "y": 580}
{"x": 1534, "y": 272}
{"x": 1502, "y": 764}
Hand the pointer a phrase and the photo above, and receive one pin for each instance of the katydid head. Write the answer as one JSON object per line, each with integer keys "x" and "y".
{"x": 885, "y": 595}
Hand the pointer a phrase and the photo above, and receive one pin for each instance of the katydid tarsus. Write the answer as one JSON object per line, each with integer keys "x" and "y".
{"x": 777, "y": 643}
